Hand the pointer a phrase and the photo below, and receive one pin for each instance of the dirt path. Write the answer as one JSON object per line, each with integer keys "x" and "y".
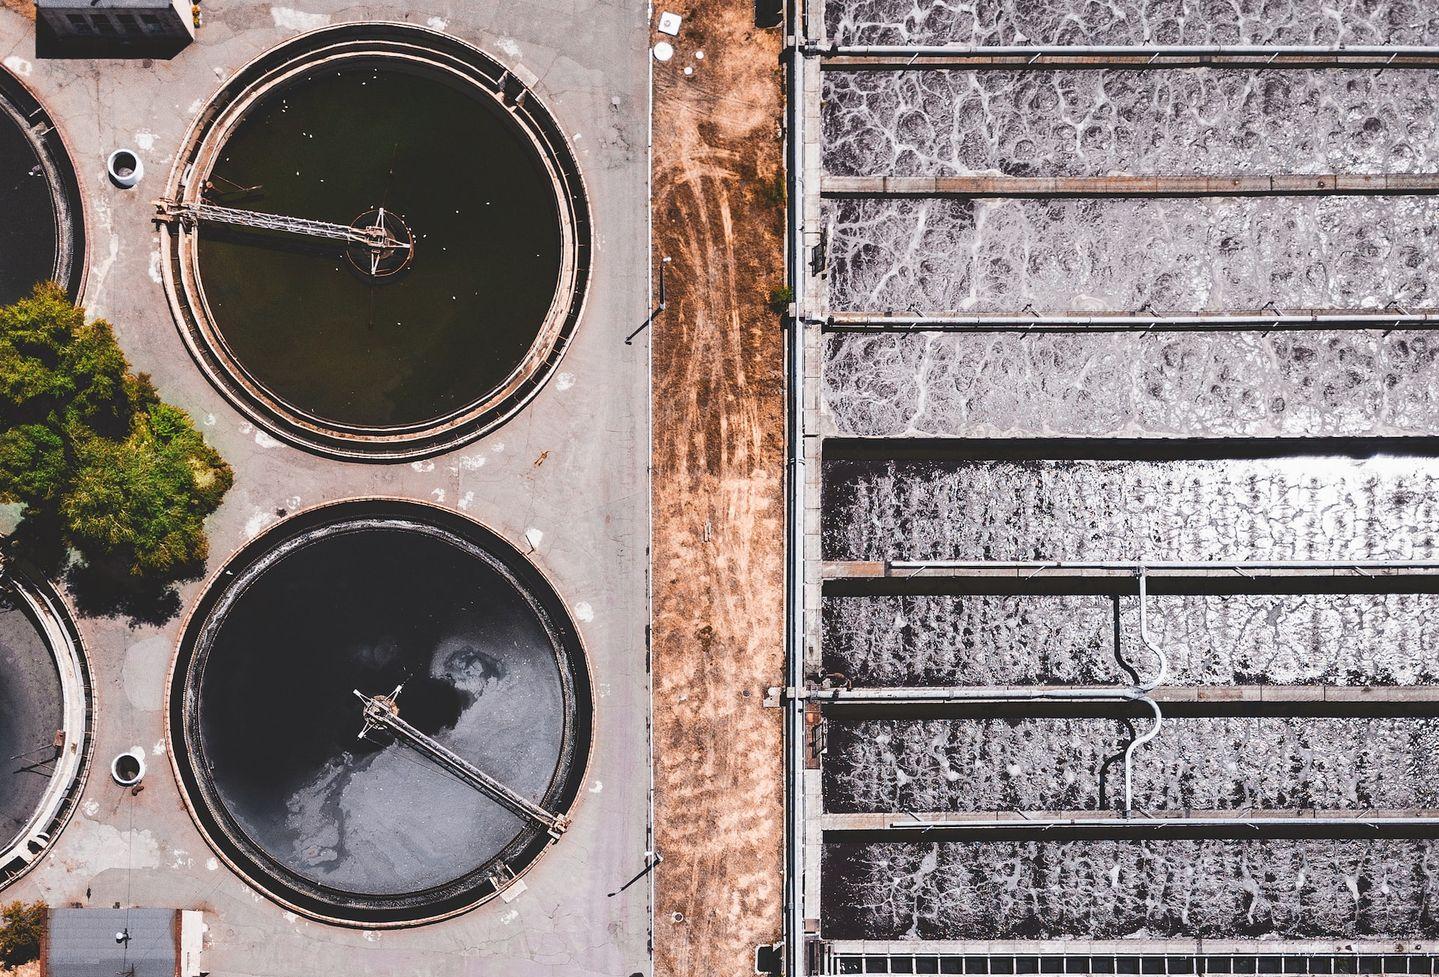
{"x": 718, "y": 495}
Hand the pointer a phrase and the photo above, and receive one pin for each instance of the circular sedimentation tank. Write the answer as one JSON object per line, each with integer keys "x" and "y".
{"x": 370, "y": 597}
{"x": 45, "y": 700}
{"x": 466, "y": 264}
{"x": 42, "y": 236}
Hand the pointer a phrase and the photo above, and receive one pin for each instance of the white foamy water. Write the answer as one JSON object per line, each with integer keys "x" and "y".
{"x": 1201, "y": 764}
{"x": 1156, "y": 384}
{"x": 1123, "y": 255}
{"x": 1226, "y": 888}
{"x": 1267, "y": 509}
{"x": 1188, "y": 121}
{"x": 1024, "y": 639}
{"x": 1326, "y": 22}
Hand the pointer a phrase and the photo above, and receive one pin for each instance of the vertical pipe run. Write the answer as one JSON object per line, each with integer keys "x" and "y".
{"x": 795, "y": 856}
{"x": 1143, "y": 688}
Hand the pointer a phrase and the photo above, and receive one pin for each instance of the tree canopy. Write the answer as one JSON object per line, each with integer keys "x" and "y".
{"x": 22, "y": 929}
{"x": 99, "y": 463}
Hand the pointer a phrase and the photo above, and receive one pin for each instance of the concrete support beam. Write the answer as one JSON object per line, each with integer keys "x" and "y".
{"x": 905, "y": 823}
{"x": 1247, "y": 185}
{"x": 1021, "y": 571}
{"x": 925, "y": 828}
{"x": 1260, "y": 320}
{"x": 900, "y": 57}
{"x": 839, "y": 699}
{"x": 1081, "y": 947}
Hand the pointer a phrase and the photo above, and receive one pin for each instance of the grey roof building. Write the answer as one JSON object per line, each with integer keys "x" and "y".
{"x": 158, "y": 943}
{"x": 118, "y": 21}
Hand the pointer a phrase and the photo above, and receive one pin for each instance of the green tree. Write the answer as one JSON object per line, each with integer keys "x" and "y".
{"x": 22, "y": 929}
{"x": 98, "y": 462}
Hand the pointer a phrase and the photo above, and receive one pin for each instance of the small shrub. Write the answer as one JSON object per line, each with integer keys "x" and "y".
{"x": 773, "y": 190}
{"x": 780, "y": 298}
{"x": 22, "y": 928}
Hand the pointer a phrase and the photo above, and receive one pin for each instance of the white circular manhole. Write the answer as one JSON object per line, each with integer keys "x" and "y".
{"x": 128, "y": 768}
{"x": 125, "y": 168}
{"x": 664, "y": 50}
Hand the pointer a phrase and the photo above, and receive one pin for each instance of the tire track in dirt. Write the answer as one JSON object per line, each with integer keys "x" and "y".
{"x": 718, "y": 455}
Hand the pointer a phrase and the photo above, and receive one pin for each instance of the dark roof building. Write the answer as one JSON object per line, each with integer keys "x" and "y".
{"x": 117, "y": 22}
{"x": 133, "y": 942}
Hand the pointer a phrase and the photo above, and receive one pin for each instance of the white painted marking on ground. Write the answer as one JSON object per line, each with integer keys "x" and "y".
{"x": 439, "y": 494}
{"x": 472, "y": 462}
{"x": 145, "y": 139}
{"x": 597, "y": 787}
{"x": 19, "y": 65}
{"x": 288, "y": 18}
{"x": 423, "y": 466}
{"x": 209, "y": 420}
{"x": 90, "y": 808}
{"x": 468, "y": 500}
{"x": 100, "y": 270}
{"x": 103, "y": 847}
{"x": 514, "y": 891}
{"x": 564, "y": 381}
{"x": 510, "y": 46}
{"x": 155, "y": 267}
{"x": 264, "y": 440}
{"x": 533, "y": 536}
{"x": 584, "y": 611}
{"x": 211, "y": 864}
{"x": 158, "y": 749}
{"x": 258, "y": 520}
{"x": 603, "y": 690}
{"x": 246, "y": 427}
{"x": 437, "y": 23}
{"x": 510, "y": 916}
{"x": 497, "y": 447}
{"x": 289, "y": 917}
{"x": 372, "y": 935}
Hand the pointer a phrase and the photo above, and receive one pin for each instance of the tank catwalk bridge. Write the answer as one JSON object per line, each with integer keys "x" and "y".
{"x": 383, "y": 713}
{"x": 381, "y": 237}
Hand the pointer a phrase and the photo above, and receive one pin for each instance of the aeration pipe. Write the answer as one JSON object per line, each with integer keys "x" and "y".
{"x": 1257, "y": 823}
{"x": 1239, "y": 566}
{"x": 1125, "y": 50}
{"x": 796, "y": 858}
{"x": 875, "y": 322}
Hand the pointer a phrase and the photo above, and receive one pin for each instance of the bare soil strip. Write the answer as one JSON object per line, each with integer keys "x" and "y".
{"x": 718, "y": 499}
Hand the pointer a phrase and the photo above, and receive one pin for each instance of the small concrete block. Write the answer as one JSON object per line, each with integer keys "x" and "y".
{"x": 513, "y": 892}
{"x": 670, "y": 24}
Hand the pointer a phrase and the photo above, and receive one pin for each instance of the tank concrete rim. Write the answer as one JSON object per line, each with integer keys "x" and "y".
{"x": 416, "y": 50}
{"x": 52, "y": 617}
{"x": 247, "y": 858}
{"x": 68, "y": 202}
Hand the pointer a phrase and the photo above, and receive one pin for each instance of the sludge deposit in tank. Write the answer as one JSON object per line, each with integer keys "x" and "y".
{"x": 380, "y": 713}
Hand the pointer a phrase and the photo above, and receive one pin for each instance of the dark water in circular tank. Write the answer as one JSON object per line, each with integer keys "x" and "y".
{"x": 368, "y": 609}
{"x": 27, "y": 234}
{"x": 31, "y": 710}
{"x": 430, "y": 341}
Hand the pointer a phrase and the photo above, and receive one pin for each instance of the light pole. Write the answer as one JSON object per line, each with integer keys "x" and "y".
{"x": 629, "y": 339}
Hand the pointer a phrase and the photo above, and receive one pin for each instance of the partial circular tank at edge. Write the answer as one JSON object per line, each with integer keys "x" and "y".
{"x": 46, "y": 707}
{"x": 370, "y": 598}
{"x": 42, "y": 237}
